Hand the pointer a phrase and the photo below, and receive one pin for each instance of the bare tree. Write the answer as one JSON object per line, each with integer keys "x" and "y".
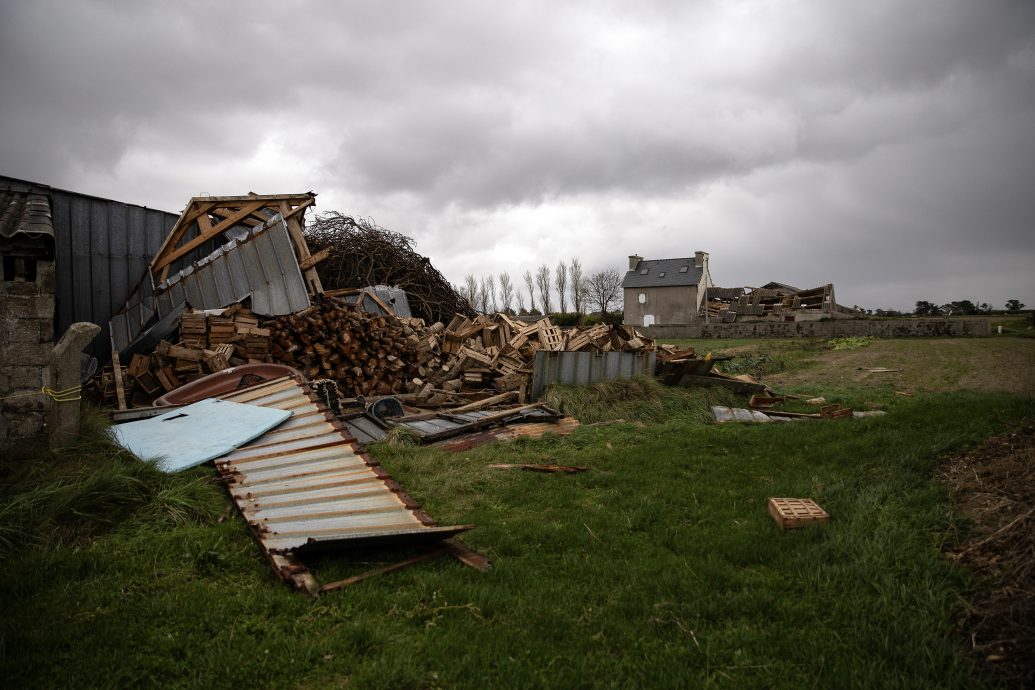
{"x": 520, "y": 302}
{"x": 506, "y": 291}
{"x": 470, "y": 291}
{"x": 578, "y": 285}
{"x": 560, "y": 281}
{"x": 542, "y": 279}
{"x": 490, "y": 281}
{"x": 484, "y": 296}
{"x": 530, "y": 284}
{"x": 603, "y": 290}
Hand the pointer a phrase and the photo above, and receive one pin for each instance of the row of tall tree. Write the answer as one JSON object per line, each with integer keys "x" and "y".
{"x": 585, "y": 292}
{"x": 961, "y": 307}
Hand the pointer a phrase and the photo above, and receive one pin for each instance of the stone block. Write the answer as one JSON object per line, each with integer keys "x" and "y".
{"x": 25, "y": 426}
{"x": 27, "y": 354}
{"x": 45, "y": 277}
{"x": 47, "y": 331}
{"x": 19, "y": 378}
{"x": 22, "y": 288}
{"x": 17, "y": 306}
{"x": 28, "y": 402}
{"x": 20, "y": 330}
{"x": 44, "y": 307}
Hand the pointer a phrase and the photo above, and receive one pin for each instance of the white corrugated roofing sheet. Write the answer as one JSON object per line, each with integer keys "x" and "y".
{"x": 307, "y": 482}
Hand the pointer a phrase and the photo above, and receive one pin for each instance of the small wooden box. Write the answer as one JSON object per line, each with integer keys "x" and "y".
{"x": 790, "y": 513}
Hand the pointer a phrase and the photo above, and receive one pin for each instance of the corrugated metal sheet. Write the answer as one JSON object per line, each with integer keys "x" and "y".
{"x": 260, "y": 264}
{"x": 102, "y": 248}
{"x": 306, "y": 483}
{"x": 581, "y": 368}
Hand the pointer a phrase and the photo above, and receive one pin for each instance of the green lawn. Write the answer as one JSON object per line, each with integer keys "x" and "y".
{"x": 657, "y": 568}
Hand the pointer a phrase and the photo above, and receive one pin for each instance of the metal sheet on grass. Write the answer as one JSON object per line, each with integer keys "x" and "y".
{"x": 309, "y": 484}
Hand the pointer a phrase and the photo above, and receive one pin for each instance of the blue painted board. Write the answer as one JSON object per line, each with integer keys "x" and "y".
{"x": 196, "y": 433}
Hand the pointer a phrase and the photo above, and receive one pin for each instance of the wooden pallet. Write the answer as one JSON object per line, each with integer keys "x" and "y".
{"x": 791, "y": 513}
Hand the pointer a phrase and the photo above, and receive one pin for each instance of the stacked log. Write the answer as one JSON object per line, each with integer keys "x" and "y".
{"x": 365, "y": 354}
{"x": 369, "y": 354}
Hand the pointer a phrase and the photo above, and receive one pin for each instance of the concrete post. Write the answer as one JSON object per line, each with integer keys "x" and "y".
{"x": 64, "y": 374}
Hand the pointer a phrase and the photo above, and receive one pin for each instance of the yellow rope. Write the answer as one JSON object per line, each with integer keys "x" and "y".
{"x": 66, "y": 395}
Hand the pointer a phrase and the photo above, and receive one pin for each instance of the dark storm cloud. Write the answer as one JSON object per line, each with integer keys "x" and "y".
{"x": 878, "y": 137}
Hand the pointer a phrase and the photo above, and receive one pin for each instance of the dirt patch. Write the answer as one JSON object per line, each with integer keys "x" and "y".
{"x": 992, "y": 365}
{"x": 994, "y": 485}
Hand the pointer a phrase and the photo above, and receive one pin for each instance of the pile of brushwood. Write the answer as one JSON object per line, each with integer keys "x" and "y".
{"x": 363, "y": 253}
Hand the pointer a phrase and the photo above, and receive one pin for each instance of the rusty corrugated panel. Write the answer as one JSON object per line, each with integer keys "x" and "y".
{"x": 307, "y": 484}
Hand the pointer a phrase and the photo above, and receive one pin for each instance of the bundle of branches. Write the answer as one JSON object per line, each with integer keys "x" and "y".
{"x": 363, "y": 253}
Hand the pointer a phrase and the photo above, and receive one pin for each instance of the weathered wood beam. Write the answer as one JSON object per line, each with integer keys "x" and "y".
{"x": 213, "y": 231}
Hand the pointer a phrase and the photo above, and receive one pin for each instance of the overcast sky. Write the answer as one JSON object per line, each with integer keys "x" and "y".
{"x": 887, "y": 147}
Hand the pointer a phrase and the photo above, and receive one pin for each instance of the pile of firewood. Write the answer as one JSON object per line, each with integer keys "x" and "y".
{"x": 365, "y": 354}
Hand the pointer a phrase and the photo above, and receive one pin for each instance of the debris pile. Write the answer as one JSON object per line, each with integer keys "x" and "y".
{"x": 773, "y": 301}
{"x": 359, "y": 252}
{"x": 436, "y": 364}
{"x": 365, "y": 354}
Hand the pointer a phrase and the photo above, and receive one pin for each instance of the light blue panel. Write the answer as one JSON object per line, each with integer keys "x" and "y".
{"x": 196, "y": 433}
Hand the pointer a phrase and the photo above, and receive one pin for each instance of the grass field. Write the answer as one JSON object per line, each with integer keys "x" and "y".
{"x": 658, "y": 567}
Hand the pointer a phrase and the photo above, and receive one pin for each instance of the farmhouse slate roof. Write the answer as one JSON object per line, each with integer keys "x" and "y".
{"x": 663, "y": 273}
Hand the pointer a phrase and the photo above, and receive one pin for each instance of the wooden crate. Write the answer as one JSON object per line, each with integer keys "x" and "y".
{"x": 194, "y": 329}
{"x": 221, "y": 329}
{"x": 791, "y": 513}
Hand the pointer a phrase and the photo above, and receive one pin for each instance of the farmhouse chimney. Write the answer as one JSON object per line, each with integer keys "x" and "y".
{"x": 634, "y": 259}
{"x": 700, "y": 259}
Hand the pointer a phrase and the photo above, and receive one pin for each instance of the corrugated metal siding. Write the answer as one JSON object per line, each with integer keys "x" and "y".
{"x": 582, "y": 368}
{"x": 102, "y": 248}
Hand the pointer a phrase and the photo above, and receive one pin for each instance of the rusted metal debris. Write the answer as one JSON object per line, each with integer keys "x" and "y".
{"x": 306, "y": 486}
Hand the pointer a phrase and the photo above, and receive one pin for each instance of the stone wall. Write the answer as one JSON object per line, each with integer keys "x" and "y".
{"x": 26, "y": 339}
{"x": 834, "y": 328}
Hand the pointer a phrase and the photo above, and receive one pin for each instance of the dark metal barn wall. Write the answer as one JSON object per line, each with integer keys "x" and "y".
{"x": 103, "y": 248}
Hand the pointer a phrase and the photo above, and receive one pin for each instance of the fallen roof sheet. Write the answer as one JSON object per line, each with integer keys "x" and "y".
{"x": 260, "y": 264}
{"x": 306, "y": 485}
{"x": 194, "y": 434}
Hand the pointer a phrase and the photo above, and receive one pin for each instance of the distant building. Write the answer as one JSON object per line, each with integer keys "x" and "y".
{"x": 665, "y": 291}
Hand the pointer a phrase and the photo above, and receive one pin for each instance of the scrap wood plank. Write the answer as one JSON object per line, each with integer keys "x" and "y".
{"x": 426, "y": 556}
{"x": 120, "y": 391}
{"x": 173, "y": 253}
{"x": 790, "y": 513}
{"x": 549, "y": 469}
{"x": 167, "y": 349}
